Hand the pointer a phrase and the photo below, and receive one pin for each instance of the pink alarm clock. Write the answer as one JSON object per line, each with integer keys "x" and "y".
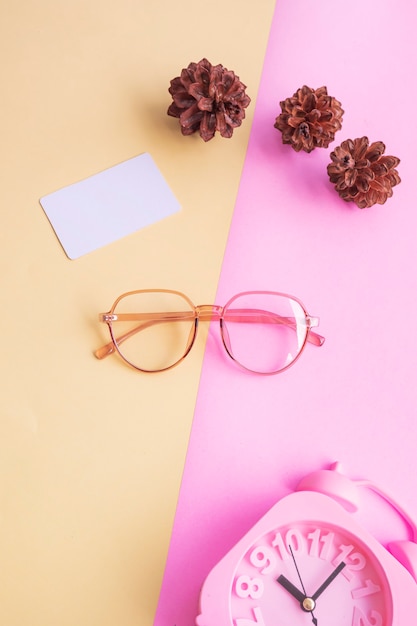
{"x": 308, "y": 561}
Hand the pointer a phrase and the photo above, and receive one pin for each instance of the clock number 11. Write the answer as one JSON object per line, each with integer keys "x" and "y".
{"x": 316, "y": 544}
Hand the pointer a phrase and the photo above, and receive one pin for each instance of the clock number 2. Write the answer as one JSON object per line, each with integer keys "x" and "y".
{"x": 360, "y": 619}
{"x": 258, "y": 621}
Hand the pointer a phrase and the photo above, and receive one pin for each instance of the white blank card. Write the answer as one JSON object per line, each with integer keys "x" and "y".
{"x": 107, "y": 206}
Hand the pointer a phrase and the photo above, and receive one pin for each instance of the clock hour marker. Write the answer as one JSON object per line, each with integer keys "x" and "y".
{"x": 296, "y": 557}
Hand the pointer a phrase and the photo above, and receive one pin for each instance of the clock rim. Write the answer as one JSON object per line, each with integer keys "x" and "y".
{"x": 295, "y": 508}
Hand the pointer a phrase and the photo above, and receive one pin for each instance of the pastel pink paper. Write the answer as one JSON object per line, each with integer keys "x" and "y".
{"x": 354, "y": 399}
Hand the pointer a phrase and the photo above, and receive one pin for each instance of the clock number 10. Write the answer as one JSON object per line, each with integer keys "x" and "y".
{"x": 317, "y": 544}
{"x": 265, "y": 558}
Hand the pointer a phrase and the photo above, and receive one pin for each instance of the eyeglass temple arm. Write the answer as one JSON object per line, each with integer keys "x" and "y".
{"x": 109, "y": 348}
{"x": 234, "y": 315}
{"x": 266, "y": 317}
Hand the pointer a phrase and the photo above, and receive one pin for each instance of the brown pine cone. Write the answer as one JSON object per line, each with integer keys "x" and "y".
{"x": 362, "y": 173}
{"x": 208, "y": 98}
{"x": 309, "y": 119}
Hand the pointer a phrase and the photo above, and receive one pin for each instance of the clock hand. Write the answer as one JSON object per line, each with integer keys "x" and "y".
{"x": 298, "y": 572}
{"x": 328, "y": 581}
{"x": 308, "y": 603}
{"x": 293, "y": 590}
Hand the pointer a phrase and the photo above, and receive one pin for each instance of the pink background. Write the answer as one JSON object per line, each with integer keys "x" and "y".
{"x": 354, "y": 399}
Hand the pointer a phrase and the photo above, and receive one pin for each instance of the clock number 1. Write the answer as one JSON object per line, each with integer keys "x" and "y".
{"x": 367, "y": 590}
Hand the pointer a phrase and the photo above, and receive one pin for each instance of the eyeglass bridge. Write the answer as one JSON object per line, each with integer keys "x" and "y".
{"x": 238, "y": 310}
{"x": 208, "y": 312}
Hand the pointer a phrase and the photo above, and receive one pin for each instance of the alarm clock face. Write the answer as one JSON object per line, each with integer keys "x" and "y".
{"x": 309, "y": 573}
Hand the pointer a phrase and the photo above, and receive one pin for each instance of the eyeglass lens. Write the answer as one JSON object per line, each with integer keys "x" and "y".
{"x": 264, "y": 332}
{"x": 155, "y": 340}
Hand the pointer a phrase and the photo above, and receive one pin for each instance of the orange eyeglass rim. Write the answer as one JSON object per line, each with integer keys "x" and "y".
{"x": 203, "y": 313}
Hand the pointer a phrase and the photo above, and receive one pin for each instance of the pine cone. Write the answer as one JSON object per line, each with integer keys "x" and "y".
{"x": 207, "y": 99}
{"x": 361, "y": 173}
{"x": 309, "y": 119}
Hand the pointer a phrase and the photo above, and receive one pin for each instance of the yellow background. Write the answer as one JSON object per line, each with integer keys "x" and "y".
{"x": 91, "y": 453}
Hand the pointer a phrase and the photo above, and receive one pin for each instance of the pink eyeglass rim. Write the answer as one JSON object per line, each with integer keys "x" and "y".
{"x": 197, "y": 313}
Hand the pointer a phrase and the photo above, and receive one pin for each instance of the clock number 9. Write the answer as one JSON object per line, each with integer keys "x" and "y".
{"x": 247, "y": 587}
{"x": 264, "y": 558}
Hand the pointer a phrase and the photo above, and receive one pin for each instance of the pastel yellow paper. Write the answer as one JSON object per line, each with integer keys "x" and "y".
{"x": 91, "y": 453}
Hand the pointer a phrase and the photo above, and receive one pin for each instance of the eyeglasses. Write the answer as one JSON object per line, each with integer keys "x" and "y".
{"x": 262, "y": 331}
